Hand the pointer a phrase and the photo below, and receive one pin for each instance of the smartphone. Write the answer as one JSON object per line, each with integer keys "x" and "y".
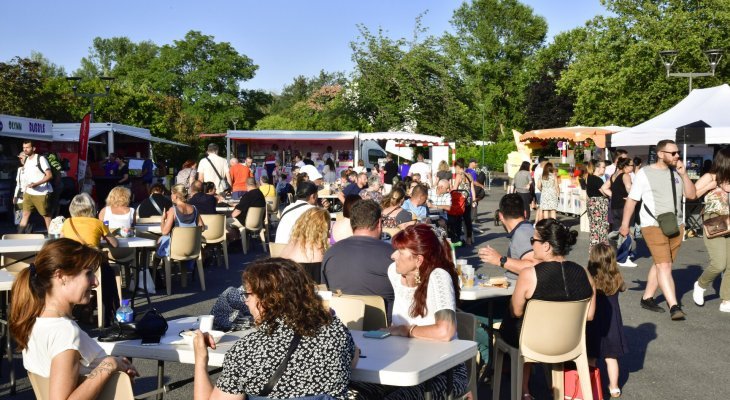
{"x": 150, "y": 341}
{"x": 376, "y": 334}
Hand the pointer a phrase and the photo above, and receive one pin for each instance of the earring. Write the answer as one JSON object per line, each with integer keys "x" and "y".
{"x": 418, "y": 277}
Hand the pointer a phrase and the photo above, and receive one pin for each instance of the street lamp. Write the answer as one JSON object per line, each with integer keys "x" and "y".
{"x": 74, "y": 80}
{"x": 668, "y": 58}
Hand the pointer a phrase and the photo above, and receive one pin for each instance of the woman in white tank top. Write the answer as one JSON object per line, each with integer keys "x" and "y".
{"x": 117, "y": 213}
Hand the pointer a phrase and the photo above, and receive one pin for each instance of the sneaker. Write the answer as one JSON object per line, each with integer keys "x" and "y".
{"x": 725, "y": 306}
{"x": 651, "y": 305}
{"x": 676, "y": 313}
{"x": 698, "y": 295}
{"x": 628, "y": 263}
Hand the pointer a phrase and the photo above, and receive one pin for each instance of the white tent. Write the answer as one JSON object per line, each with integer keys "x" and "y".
{"x": 711, "y": 105}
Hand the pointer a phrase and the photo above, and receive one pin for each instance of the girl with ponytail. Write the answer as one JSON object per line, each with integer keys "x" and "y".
{"x": 53, "y": 345}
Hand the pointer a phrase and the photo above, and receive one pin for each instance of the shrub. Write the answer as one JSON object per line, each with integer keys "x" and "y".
{"x": 495, "y": 155}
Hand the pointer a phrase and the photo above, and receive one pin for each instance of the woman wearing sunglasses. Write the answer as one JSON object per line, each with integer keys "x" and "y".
{"x": 552, "y": 279}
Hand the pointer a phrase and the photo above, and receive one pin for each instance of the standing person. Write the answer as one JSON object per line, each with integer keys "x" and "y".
{"x": 464, "y": 183}
{"x": 239, "y": 175}
{"x": 536, "y": 176}
{"x": 620, "y": 185}
{"x": 147, "y": 173}
{"x": 716, "y": 184}
{"x": 328, "y": 155}
{"x": 405, "y": 169}
{"x": 420, "y": 167}
{"x": 444, "y": 172}
{"x": 329, "y": 171}
{"x": 187, "y": 174}
{"x": 597, "y": 206}
{"x": 605, "y": 333}
{"x": 37, "y": 179}
{"x": 611, "y": 169}
{"x": 271, "y": 159}
{"x": 308, "y": 159}
{"x": 214, "y": 168}
{"x": 53, "y": 345}
{"x": 548, "y": 185}
{"x": 391, "y": 171}
{"x": 660, "y": 186}
{"x": 123, "y": 172}
{"x": 20, "y": 185}
{"x": 110, "y": 166}
{"x": 522, "y": 182}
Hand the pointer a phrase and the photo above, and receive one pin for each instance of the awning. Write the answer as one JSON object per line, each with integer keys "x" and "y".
{"x": 574, "y": 133}
{"x": 26, "y": 128}
{"x": 403, "y": 137}
{"x": 69, "y": 132}
{"x": 290, "y": 135}
{"x": 165, "y": 141}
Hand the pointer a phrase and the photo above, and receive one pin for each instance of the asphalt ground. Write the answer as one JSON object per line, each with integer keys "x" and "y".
{"x": 667, "y": 359}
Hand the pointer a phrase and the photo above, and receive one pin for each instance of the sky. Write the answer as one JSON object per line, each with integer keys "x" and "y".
{"x": 284, "y": 38}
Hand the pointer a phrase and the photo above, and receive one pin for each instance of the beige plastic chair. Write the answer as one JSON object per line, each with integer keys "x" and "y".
{"x": 272, "y": 205}
{"x": 16, "y": 262}
{"x": 255, "y": 224}
{"x": 350, "y": 311}
{"x": 123, "y": 257}
{"x": 290, "y": 198}
{"x": 118, "y": 387}
{"x": 553, "y": 332}
{"x": 215, "y": 232}
{"x": 376, "y": 315}
{"x": 466, "y": 329}
{"x": 185, "y": 244}
{"x": 275, "y": 249}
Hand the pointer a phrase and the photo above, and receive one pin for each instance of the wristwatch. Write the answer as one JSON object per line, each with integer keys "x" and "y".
{"x": 502, "y": 261}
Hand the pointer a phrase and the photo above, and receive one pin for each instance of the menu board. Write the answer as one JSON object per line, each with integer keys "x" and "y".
{"x": 652, "y": 157}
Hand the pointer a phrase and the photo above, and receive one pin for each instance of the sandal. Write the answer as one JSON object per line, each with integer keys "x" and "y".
{"x": 615, "y": 393}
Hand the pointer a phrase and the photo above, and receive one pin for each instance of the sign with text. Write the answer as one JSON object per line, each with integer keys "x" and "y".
{"x": 83, "y": 147}
{"x": 25, "y": 127}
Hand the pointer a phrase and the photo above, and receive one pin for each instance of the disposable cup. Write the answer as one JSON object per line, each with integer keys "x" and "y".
{"x": 326, "y": 296}
{"x": 205, "y": 323}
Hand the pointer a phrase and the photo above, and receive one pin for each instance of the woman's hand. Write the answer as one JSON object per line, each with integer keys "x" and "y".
{"x": 201, "y": 342}
{"x": 124, "y": 365}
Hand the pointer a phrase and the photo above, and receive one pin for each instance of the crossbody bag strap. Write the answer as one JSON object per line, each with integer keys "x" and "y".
{"x": 282, "y": 367}
{"x": 154, "y": 204}
{"x": 291, "y": 209}
{"x": 214, "y": 170}
{"x": 674, "y": 190}
{"x": 71, "y": 221}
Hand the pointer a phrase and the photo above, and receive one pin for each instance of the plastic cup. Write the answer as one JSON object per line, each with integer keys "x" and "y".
{"x": 468, "y": 274}
{"x": 205, "y": 323}
{"x": 326, "y": 296}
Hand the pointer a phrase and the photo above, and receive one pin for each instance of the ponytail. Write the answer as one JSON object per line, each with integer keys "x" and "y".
{"x": 28, "y": 300}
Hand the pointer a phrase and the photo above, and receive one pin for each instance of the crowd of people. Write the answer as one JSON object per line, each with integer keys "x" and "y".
{"x": 394, "y": 239}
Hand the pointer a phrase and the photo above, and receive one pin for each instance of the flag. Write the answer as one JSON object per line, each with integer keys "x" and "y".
{"x": 83, "y": 148}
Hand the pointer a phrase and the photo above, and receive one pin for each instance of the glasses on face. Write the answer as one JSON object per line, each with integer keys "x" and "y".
{"x": 245, "y": 295}
{"x": 673, "y": 153}
{"x": 533, "y": 240}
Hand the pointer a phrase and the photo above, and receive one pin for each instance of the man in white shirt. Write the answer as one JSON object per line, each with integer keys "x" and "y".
{"x": 37, "y": 176}
{"x": 306, "y": 199}
{"x": 440, "y": 198}
{"x": 214, "y": 168}
{"x": 611, "y": 169}
{"x": 422, "y": 168}
{"x": 328, "y": 154}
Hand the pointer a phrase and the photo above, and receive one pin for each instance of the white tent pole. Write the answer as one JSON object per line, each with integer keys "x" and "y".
{"x": 684, "y": 199}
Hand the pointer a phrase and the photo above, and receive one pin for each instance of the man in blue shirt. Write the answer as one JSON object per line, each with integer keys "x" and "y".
{"x": 110, "y": 166}
{"x": 416, "y": 204}
{"x": 146, "y": 174}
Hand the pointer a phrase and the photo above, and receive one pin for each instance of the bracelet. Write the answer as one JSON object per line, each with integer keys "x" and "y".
{"x": 410, "y": 331}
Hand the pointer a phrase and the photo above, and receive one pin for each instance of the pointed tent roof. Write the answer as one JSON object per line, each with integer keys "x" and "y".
{"x": 710, "y": 105}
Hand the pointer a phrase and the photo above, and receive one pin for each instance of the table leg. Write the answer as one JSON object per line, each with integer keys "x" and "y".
{"x": 450, "y": 384}
{"x": 490, "y": 334}
{"x": 428, "y": 395}
{"x": 160, "y": 378}
{"x": 8, "y": 341}
{"x": 141, "y": 270}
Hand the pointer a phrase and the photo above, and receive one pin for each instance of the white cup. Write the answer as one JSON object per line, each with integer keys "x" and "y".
{"x": 462, "y": 261}
{"x": 205, "y": 323}
{"x": 326, "y": 296}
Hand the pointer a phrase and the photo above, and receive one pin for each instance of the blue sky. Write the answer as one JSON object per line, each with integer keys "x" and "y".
{"x": 284, "y": 38}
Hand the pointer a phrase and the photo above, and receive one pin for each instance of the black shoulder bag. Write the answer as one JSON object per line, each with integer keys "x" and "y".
{"x": 668, "y": 221}
{"x": 223, "y": 185}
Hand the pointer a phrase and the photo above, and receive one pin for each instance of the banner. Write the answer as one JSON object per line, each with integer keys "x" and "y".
{"x": 83, "y": 148}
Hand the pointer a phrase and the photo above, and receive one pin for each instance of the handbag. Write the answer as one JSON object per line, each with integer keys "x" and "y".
{"x": 152, "y": 325}
{"x": 163, "y": 246}
{"x": 716, "y": 214}
{"x": 223, "y": 185}
{"x": 668, "y": 221}
{"x": 571, "y": 383}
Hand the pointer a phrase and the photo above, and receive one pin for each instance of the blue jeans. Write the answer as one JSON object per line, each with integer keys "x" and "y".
{"x": 238, "y": 194}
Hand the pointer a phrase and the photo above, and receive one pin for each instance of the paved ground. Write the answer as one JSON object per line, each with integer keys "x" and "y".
{"x": 667, "y": 360}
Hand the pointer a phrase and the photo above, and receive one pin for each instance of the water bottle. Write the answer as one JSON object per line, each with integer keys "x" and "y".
{"x": 125, "y": 314}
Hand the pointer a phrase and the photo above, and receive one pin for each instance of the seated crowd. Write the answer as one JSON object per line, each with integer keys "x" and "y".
{"x": 384, "y": 244}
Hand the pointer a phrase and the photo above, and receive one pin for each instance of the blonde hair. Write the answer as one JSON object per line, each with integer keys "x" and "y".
{"x": 119, "y": 196}
{"x": 82, "y": 205}
{"x": 312, "y": 230}
{"x": 444, "y": 166}
{"x": 180, "y": 191}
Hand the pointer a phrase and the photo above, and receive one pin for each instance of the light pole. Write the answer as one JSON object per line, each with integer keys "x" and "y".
{"x": 91, "y": 96}
{"x": 235, "y": 122}
{"x": 484, "y": 139}
{"x": 670, "y": 56}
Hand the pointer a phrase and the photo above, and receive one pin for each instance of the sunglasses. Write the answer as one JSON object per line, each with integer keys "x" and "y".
{"x": 673, "y": 153}
{"x": 245, "y": 295}
{"x": 533, "y": 240}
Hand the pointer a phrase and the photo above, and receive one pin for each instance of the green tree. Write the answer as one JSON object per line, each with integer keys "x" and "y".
{"x": 617, "y": 77}
{"x": 33, "y": 88}
{"x": 494, "y": 42}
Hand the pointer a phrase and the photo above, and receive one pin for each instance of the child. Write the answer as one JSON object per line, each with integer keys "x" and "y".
{"x": 605, "y": 334}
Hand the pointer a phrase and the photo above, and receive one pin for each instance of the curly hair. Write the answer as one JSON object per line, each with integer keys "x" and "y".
{"x": 396, "y": 197}
{"x": 286, "y": 295}
{"x": 604, "y": 270}
{"x": 119, "y": 196}
{"x": 420, "y": 239}
{"x": 312, "y": 230}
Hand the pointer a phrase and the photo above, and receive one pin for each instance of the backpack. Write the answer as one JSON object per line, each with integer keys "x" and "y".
{"x": 458, "y": 203}
{"x": 56, "y": 183}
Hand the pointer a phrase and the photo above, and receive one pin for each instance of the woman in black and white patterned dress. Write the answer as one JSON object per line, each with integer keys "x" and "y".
{"x": 283, "y": 303}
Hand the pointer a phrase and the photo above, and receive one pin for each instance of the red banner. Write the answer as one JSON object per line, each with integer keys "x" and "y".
{"x": 83, "y": 147}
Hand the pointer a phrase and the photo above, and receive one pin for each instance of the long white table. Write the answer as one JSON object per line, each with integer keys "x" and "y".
{"x": 396, "y": 361}
{"x": 6, "y": 280}
{"x": 8, "y": 246}
{"x": 478, "y": 292}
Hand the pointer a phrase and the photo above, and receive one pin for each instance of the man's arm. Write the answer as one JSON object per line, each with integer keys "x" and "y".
{"x": 491, "y": 256}
{"x": 690, "y": 191}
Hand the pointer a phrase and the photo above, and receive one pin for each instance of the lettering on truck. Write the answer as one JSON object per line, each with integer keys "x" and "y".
{"x": 15, "y": 126}
{"x": 36, "y": 127}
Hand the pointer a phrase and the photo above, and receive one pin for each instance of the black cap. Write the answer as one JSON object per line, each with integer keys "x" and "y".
{"x": 306, "y": 189}
{"x": 472, "y": 160}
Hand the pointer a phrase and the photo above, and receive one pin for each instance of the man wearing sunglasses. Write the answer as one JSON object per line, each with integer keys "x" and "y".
{"x": 660, "y": 187}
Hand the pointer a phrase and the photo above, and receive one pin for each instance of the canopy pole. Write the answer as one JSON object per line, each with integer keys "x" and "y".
{"x": 228, "y": 148}
{"x": 684, "y": 199}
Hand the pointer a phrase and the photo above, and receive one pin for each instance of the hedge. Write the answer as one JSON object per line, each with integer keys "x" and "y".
{"x": 495, "y": 155}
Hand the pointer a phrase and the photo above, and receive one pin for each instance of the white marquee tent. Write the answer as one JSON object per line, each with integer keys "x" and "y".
{"x": 711, "y": 105}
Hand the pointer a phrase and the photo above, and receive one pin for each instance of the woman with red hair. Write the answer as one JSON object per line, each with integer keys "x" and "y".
{"x": 426, "y": 288}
